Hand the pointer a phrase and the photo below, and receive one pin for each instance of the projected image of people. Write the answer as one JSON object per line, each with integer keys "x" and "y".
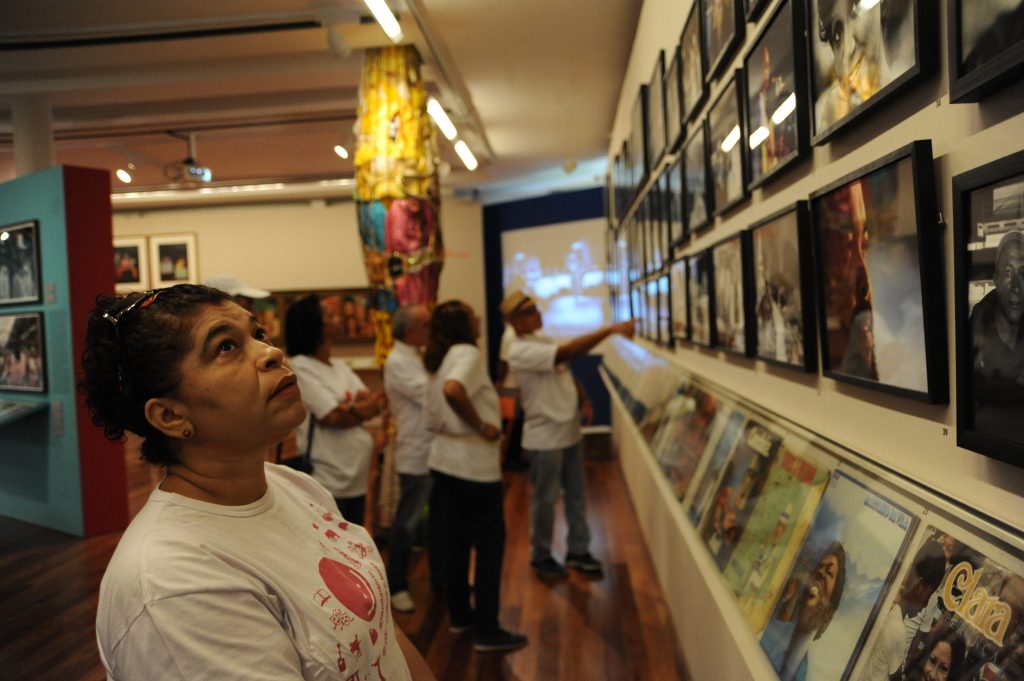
{"x": 560, "y": 267}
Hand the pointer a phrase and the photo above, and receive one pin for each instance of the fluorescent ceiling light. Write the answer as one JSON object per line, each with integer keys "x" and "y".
{"x": 466, "y": 155}
{"x": 787, "y": 107}
{"x": 340, "y": 151}
{"x": 386, "y": 19}
{"x": 758, "y": 136}
{"x": 124, "y": 175}
{"x": 437, "y": 112}
{"x": 731, "y": 139}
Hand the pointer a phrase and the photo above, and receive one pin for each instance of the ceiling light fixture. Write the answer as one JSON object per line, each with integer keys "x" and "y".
{"x": 441, "y": 119}
{"x": 462, "y": 149}
{"x": 340, "y": 151}
{"x": 386, "y": 19}
{"x": 125, "y": 174}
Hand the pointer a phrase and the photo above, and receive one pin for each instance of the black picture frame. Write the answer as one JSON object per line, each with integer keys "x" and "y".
{"x": 691, "y": 45}
{"x": 775, "y": 76}
{"x": 988, "y": 404}
{"x": 673, "y": 89}
{"x": 20, "y": 265}
{"x": 753, "y": 9}
{"x": 701, "y": 298}
{"x": 879, "y": 279}
{"x": 729, "y": 258}
{"x": 727, "y": 162}
{"x": 22, "y": 352}
{"x": 781, "y": 273}
{"x": 983, "y": 58}
{"x": 723, "y": 24}
{"x": 672, "y": 191}
{"x": 656, "y": 138}
{"x": 679, "y": 284}
{"x": 697, "y": 197}
{"x": 638, "y": 143}
{"x": 903, "y": 50}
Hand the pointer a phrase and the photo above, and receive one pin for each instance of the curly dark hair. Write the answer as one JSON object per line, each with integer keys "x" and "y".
{"x": 304, "y": 326}
{"x": 451, "y": 323}
{"x": 124, "y": 367}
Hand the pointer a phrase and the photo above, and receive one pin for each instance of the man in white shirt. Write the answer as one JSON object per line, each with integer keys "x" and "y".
{"x": 405, "y": 384}
{"x": 553, "y": 403}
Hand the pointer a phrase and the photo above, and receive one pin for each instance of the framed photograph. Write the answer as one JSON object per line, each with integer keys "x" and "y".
{"x": 20, "y": 264}
{"x": 879, "y": 277}
{"x": 678, "y": 279}
{"x": 730, "y": 304}
{"x": 776, "y": 118}
{"x": 664, "y": 311}
{"x": 986, "y": 46}
{"x": 655, "y": 228}
{"x": 701, "y": 298}
{"x": 694, "y": 66}
{"x": 861, "y": 54}
{"x": 726, "y": 160}
{"x": 672, "y": 201}
{"x": 674, "y": 103}
{"x": 173, "y": 259}
{"x": 638, "y": 295}
{"x": 723, "y": 33}
{"x": 697, "y": 197}
{"x": 653, "y": 305}
{"x": 783, "y": 276}
{"x": 638, "y": 148}
{"x": 988, "y": 252}
{"x": 22, "y": 353}
{"x": 352, "y": 307}
{"x": 131, "y": 264}
{"x": 656, "y": 113}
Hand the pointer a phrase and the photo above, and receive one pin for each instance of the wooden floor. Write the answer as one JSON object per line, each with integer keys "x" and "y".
{"x": 613, "y": 627}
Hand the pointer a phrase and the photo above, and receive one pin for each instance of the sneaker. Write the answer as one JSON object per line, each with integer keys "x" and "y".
{"x": 402, "y": 602}
{"x": 500, "y": 640}
{"x": 547, "y": 567}
{"x": 584, "y": 562}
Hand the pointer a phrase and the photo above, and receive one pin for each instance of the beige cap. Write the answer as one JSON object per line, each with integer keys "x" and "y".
{"x": 514, "y": 302}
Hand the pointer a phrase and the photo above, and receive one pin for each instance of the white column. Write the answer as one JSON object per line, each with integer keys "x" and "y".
{"x": 32, "y": 118}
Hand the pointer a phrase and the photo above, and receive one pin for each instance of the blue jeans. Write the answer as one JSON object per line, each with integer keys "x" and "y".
{"x": 415, "y": 490}
{"x": 552, "y": 470}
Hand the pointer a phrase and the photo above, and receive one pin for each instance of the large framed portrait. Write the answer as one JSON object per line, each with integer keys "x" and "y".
{"x": 173, "y": 259}
{"x": 19, "y": 264}
{"x": 723, "y": 33}
{"x": 730, "y": 304}
{"x": 674, "y": 102}
{"x": 985, "y": 46}
{"x": 22, "y": 353}
{"x": 726, "y": 160}
{"x": 783, "y": 285}
{"x": 697, "y": 195}
{"x": 776, "y": 118}
{"x": 131, "y": 264}
{"x": 988, "y": 214}
{"x": 879, "y": 277}
{"x": 678, "y": 278}
{"x": 862, "y": 53}
{"x": 672, "y": 200}
{"x": 694, "y": 67}
{"x": 701, "y": 297}
{"x": 656, "y": 113}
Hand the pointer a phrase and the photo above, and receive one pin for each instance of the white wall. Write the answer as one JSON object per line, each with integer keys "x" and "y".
{"x": 309, "y": 245}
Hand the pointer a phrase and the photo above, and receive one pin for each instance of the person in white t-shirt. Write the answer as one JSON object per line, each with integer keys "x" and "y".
{"x": 506, "y": 382}
{"x": 467, "y": 502}
{"x": 405, "y": 384}
{"x": 553, "y": 403}
{"x": 338, "y": 401}
{"x": 235, "y": 567}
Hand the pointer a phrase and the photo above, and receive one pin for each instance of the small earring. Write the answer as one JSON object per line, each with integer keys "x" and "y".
{"x": 186, "y": 433}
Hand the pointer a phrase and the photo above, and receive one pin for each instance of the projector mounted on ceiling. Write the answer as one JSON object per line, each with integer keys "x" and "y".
{"x": 188, "y": 170}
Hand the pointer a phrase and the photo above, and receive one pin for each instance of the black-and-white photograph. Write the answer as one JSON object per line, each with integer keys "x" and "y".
{"x": 723, "y": 32}
{"x": 730, "y": 324}
{"x": 700, "y": 298}
{"x": 697, "y": 195}
{"x": 19, "y": 263}
{"x": 22, "y": 356}
{"x": 725, "y": 147}
{"x": 986, "y": 46}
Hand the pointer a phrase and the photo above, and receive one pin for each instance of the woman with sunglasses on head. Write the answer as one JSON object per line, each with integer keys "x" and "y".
{"x": 466, "y": 503}
{"x": 234, "y": 568}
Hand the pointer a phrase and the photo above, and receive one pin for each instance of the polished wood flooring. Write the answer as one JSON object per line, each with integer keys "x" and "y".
{"x": 611, "y": 627}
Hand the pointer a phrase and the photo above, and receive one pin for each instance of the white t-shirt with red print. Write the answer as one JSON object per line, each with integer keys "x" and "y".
{"x": 282, "y": 588}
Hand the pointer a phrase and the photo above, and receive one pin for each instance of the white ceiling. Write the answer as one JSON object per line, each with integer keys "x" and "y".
{"x": 532, "y": 84}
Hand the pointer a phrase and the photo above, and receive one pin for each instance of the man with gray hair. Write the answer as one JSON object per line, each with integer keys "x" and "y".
{"x": 405, "y": 384}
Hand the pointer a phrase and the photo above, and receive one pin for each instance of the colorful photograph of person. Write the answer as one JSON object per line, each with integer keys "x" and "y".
{"x": 21, "y": 352}
{"x": 857, "y": 49}
{"x": 126, "y": 264}
{"x": 874, "y": 316}
{"x": 837, "y": 583}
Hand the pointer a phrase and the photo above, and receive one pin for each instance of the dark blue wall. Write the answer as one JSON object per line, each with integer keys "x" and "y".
{"x": 545, "y": 210}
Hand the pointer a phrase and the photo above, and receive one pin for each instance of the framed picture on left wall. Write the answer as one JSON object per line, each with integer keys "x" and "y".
{"x": 131, "y": 264}
{"x": 173, "y": 259}
{"x": 19, "y": 263}
{"x": 22, "y": 354}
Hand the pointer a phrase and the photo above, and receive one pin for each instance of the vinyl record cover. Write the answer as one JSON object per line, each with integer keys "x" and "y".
{"x": 682, "y": 446}
{"x": 708, "y": 480}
